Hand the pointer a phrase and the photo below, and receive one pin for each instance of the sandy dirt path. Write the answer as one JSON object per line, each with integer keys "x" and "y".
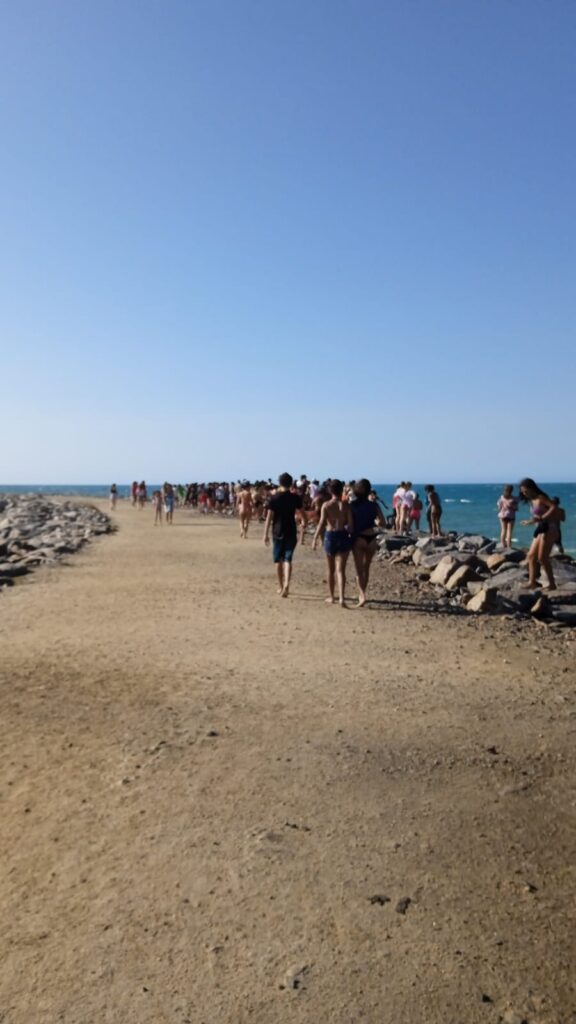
{"x": 221, "y": 807}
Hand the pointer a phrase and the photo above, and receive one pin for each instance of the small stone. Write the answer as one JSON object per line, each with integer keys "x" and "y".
{"x": 379, "y": 900}
{"x": 403, "y": 904}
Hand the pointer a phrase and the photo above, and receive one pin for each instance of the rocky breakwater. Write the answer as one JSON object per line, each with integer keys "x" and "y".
{"x": 37, "y": 531}
{"x": 473, "y": 573}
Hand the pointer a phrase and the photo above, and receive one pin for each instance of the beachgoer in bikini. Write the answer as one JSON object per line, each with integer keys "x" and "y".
{"x": 281, "y": 519}
{"x": 142, "y": 494}
{"x": 169, "y": 498}
{"x": 406, "y": 508}
{"x": 336, "y": 521}
{"x": 415, "y": 514}
{"x": 134, "y": 490}
{"x": 433, "y": 510}
{"x": 546, "y": 519}
{"x": 397, "y": 499}
{"x": 113, "y": 497}
{"x": 366, "y": 516}
{"x": 507, "y": 508}
{"x": 244, "y": 504}
{"x": 157, "y": 506}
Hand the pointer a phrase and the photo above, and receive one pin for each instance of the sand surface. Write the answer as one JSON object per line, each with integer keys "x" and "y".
{"x": 205, "y": 786}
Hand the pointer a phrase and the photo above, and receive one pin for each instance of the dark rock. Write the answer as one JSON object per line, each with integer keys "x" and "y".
{"x": 13, "y": 569}
{"x": 564, "y": 613}
{"x": 402, "y": 905}
{"x": 393, "y": 543}
{"x": 473, "y": 542}
{"x": 379, "y": 899}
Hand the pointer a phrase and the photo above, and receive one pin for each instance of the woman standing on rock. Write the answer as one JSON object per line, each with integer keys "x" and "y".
{"x": 433, "y": 510}
{"x": 507, "y": 508}
{"x": 366, "y": 516}
{"x": 546, "y": 519}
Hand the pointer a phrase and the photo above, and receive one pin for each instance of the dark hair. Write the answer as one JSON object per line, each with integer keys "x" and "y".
{"x": 362, "y": 488}
{"x": 532, "y": 487}
{"x": 336, "y": 488}
{"x": 285, "y": 480}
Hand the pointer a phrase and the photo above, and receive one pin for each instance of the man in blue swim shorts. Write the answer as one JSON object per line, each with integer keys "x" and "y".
{"x": 281, "y": 519}
{"x": 336, "y": 521}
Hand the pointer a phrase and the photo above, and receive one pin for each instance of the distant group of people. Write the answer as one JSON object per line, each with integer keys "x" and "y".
{"x": 407, "y": 507}
{"x": 346, "y": 519}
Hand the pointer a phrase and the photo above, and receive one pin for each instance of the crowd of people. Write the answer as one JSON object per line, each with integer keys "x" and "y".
{"x": 346, "y": 518}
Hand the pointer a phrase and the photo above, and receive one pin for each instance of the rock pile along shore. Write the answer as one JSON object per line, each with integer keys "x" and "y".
{"x": 473, "y": 573}
{"x": 39, "y": 531}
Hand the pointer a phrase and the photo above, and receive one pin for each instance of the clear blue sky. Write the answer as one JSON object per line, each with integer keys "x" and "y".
{"x": 323, "y": 236}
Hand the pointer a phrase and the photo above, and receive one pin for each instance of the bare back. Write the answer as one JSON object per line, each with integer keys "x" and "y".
{"x": 336, "y": 515}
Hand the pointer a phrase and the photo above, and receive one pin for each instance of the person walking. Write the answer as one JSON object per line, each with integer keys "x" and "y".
{"x": 336, "y": 520}
{"x": 281, "y": 520}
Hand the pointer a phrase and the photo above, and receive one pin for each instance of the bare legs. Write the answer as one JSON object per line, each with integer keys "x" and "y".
{"x": 506, "y": 532}
{"x": 284, "y": 570}
{"x": 539, "y": 555}
{"x": 244, "y": 524}
{"x": 435, "y": 523}
{"x": 399, "y": 517}
{"x": 337, "y": 574}
{"x": 363, "y": 552}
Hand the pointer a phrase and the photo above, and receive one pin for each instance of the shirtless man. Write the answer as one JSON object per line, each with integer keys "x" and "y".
{"x": 244, "y": 498}
{"x": 336, "y": 520}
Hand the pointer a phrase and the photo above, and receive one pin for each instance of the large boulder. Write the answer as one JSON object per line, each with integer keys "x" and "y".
{"x": 430, "y": 543}
{"x": 429, "y": 557}
{"x": 393, "y": 543}
{"x": 565, "y": 613}
{"x": 483, "y": 601}
{"x": 499, "y": 559}
{"x": 444, "y": 570}
{"x": 460, "y": 577}
{"x": 472, "y": 542}
{"x": 564, "y": 572}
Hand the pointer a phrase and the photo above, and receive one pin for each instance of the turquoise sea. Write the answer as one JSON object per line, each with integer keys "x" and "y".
{"x": 468, "y": 508}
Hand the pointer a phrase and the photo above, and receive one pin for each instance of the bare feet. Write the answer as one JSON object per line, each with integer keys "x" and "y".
{"x": 284, "y": 592}
{"x": 361, "y": 600}
{"x": 329, "y": 600}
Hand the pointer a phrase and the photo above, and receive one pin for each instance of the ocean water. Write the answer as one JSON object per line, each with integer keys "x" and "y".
{"x": 471, "y": 508}
{"x": 467, "y": 508}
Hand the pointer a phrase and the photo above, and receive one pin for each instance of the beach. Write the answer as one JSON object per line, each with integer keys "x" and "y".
{"x": 220, "y": 807}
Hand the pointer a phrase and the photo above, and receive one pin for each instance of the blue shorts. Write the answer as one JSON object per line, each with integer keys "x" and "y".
{"x": 282, "y": 550}
{"x": 337, "y": 542}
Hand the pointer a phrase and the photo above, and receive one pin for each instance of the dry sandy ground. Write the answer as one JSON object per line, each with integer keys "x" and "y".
{"x": 205, "y": 786}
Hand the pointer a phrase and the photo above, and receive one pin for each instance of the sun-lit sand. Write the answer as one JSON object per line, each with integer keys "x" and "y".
{"x": 222, "y": 807}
